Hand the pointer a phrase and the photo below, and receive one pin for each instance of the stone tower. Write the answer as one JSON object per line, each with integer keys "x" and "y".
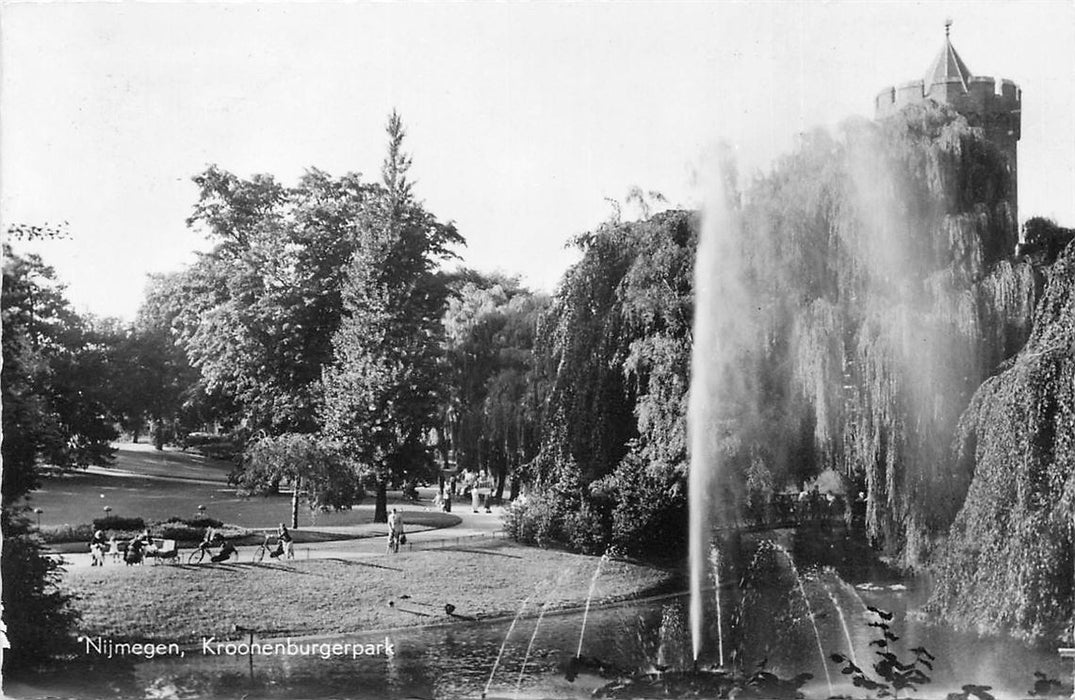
{"x": 976, "y": 97}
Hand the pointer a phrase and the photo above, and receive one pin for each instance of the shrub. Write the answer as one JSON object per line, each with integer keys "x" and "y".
{"x": 51, "y": 534}
{"x": 37, "y": 614}
{"x": 192, "y": 531}
{"x": 116, "y": 522}
{"x": 587, "y": 530}
{"x": 199, "y": 522}
{"x": 175, "y": 528}
{"x": 533, "y": 521}
{"x": 178, "y": 531}
{"x": 212, "y": 446}
{"x": 650, "y": 510}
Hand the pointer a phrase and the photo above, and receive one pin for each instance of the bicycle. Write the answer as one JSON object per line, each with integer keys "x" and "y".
{"x": 274, "y": 550}
{"x": 205, "y": 550}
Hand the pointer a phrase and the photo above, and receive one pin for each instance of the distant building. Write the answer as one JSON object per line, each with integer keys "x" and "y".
{"x": 976, "y": 97}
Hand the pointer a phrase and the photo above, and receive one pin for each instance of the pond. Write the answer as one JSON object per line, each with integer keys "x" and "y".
{"x": 767, "y": 619}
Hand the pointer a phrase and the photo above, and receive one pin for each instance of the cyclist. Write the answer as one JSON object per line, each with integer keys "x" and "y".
{"x": 211, "y": 539}
{"x": 226, "y": 550}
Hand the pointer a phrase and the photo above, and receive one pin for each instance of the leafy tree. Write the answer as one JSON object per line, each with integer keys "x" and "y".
{"x": 878, "y": 261}
{"x": 151, "y": 378}
{"x": 383, "y": 393}
{"x": 583, "y": 345}
{"x": 317, "y": 469}
{"x": 257, "y": 315}
{"x": 1007, "y": 563}
{"x": 494, "y": 400}
{"x": 878, "y": 264}
{"x": 614, "y": 349}
{"x": 54, "y": 385}
{"x": 1043, "y": 237}
{"x": 54, "y": 412}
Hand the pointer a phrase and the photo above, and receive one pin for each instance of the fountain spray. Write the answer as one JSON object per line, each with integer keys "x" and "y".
{"x": 723, "y": 330}
{"x": 500, "y": 654}
{"x": 714, "y": 560}
{"x": 589, "y": 597}
{"x": 809, "y": 612}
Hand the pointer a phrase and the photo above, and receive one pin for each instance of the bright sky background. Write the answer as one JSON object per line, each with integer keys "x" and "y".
{"x": 522, "y": 118}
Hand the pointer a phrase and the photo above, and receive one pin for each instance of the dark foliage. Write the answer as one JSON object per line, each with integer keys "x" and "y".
{"x": 116, "y": 522}
{"x": 1007, "y": 564}
{"x": 38, "y": 616}
{"x": 613, "y": 356}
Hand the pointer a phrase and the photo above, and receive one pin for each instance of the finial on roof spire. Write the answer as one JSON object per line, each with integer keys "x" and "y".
{"x": 947, "y": 26}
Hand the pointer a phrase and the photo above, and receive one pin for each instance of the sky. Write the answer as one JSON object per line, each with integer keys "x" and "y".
{"x": 523, "y": 119}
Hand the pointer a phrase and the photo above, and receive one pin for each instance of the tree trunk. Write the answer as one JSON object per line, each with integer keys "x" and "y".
{"x": 295, "y": 506}
{"x": 442, "y": 445}
{"x": 501, "y": 477}
{"x": 380, "y": 510}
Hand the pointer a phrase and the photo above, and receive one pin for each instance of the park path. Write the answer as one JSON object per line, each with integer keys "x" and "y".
{"x": 370, "y": 539}
{"x": 141, "y": 462}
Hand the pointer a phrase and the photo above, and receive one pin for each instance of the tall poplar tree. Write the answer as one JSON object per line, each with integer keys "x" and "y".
{"x": 383, "y": 392}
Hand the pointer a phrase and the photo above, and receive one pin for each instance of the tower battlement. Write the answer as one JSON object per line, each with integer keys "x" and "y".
{"x": 994, "y": 104}
{"x": 980, "y": 95}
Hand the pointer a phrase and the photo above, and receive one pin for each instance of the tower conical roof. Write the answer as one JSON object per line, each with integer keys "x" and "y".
{"x": 948, "y": 66}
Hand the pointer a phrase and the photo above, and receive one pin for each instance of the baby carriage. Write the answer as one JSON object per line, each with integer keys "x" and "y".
{"x": 162, "y": 551}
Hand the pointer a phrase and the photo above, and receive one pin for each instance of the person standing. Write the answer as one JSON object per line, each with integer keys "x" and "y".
{"x": 287, "y": 543}
{"x": 97, "y": 549}
{"x": 485, "y": 489}
{"x": 475, "y": 496}
{"x": 395, "y": 531}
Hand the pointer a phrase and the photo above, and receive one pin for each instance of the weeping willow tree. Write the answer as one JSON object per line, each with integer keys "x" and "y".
{"x": 879, "y": 262}
{"x": 613, "y": 351}
{"x": 1007, "y": 564}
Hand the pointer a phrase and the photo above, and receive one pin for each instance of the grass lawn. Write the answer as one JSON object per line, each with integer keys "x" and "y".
{"x": 170, "y": 462}
{"x": 184, "y": 603}
{"x": 79, "y": 497}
